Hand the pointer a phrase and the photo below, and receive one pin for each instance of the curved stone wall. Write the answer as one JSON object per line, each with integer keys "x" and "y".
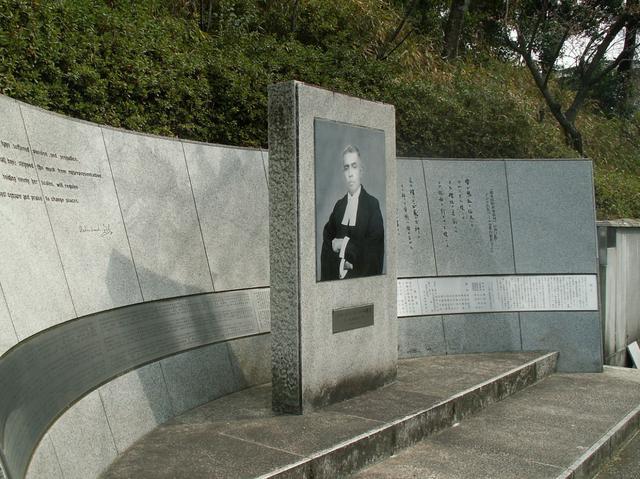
{"x": 119, "y": 250}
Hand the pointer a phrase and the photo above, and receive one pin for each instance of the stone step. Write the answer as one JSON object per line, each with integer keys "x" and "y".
{"x": 566, "y": 426}
{"x": 239, "y": 436}
{"x": 625, "y": 463}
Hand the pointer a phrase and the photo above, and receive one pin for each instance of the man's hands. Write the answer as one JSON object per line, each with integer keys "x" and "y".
{"x": 336, "y": 244}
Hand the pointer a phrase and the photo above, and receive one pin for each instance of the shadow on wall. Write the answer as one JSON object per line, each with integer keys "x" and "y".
{"x": 204, "y": 371}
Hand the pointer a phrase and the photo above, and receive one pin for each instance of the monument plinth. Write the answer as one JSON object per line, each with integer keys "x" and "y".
{"x": 332, "y": 194}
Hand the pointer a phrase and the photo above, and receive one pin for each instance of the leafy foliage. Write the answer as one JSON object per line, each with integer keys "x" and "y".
{"x": 149, "y": 66}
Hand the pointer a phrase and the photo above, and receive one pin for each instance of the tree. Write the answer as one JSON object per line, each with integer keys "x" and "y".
{"x": 625, "y": 79}
{"x": 453, "y": 28}
{"x": 538, "y": 31}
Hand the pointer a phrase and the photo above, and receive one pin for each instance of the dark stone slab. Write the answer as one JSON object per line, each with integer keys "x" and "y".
{"x": 553, "y": 216}
{"x": 482, "y": 333}
{"x": 415, "y": 241}
{"x": 420, "y": 336}
{"x": 469, "y": 217}
{"x": 576, "y": 335}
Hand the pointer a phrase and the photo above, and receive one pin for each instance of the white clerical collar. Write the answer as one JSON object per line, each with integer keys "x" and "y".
{"x": 351, "y": 210}
{"x": 355, "y": 195}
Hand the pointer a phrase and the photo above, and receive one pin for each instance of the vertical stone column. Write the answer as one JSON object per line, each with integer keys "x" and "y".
{"x": 333, "y": 303}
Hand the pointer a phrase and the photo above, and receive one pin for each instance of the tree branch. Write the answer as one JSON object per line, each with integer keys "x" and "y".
{"x": 623, "y": 54}
{"x": 611, "y": 34}
{"x": 381, "y": 53}
{"x": 398, "y": 44}
{"x": 555, "y": 56}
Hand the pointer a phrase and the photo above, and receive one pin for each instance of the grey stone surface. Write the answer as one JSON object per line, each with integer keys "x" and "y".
{"x": 482, "y": 333}
{"x": 230, "y": 190}
{"x": 201, "y": 456}
{"x": 265, "y": 161}
{"x": 553, "y": 216}
{"x": 576, "y": 335}
{"x": 283, "y": 236}
{"x": 251, "y": 359}
{"x": 477, "y": 243}
{"x": 443, "y": 461}
{"x": 159, "y": 214}
{"x": 32, "y": 278}
{"x": 198, "y": 376}
{"x": 83, "y": 440}
{"x": 226, "y": 437}
{"x": 239, "y": 407}
{"x": 539, "y": 432}
{"x": 44, "y": 463}
{"x": 8, "y": 336}
{"x": 425, "y": 375}
{"x": 89, "y": 231}
{"x": 420, "y": 336}
{"x": 415, "y": 241}
{"x": 386, "y": 404}
{"x": 136, "y": 403}
{"x": 313, "y": 432}
{"x": 329, "y": 362}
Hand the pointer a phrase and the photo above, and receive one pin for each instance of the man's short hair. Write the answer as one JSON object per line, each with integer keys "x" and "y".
{"x": 351, "y": 149}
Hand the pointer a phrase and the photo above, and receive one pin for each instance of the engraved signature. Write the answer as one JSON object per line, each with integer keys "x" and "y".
{"x": 103, "y": 229}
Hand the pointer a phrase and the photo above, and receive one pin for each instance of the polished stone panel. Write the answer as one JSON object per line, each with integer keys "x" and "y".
{"x": 81, "y": 201}
{"x": 415, "y": 241}
{"x": 576, "y": 335}
{"x": 136, "y": 403}
{"x": 482, "y": 333}
{"x": 553, "y": 216}
{"x": 420, "y": 336}
{"x": 230, "y": 191}
{"x": 265, "y": 161}
{"x": 44, "y": 464}
{"x": 159, "y": 213}
{"x": 83, "y": 440}
{"x": 469, "y": 216}
{"x": 32, "y": 277}
{"x": 8, "y": 336}
{"x": 198, "y": 376}
{"x": 251, "y": 359}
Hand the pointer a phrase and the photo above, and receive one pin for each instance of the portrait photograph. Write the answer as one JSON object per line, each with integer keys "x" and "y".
{"x": 350, "y": 187}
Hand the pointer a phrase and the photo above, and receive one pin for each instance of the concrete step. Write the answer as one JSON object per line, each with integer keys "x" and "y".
{"x": 239, "y": 436}
{"x": 625, "y": 463}
{"x": 566, "y": 426}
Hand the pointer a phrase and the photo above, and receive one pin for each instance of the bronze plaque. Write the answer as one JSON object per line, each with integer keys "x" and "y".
{"x": 346, "y": 319}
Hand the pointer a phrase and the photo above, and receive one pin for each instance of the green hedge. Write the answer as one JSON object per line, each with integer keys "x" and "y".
{"x": 146, "y": 66}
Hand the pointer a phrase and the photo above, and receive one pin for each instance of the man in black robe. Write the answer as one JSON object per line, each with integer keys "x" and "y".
{"x": 353, "y": 238}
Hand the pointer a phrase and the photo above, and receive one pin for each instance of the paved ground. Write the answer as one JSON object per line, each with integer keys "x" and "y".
{"x": 537, "y": 433}
{"x": 239, "y": 436}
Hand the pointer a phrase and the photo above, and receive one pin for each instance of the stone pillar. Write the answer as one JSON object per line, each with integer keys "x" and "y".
{"x": 333, "y": 303}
